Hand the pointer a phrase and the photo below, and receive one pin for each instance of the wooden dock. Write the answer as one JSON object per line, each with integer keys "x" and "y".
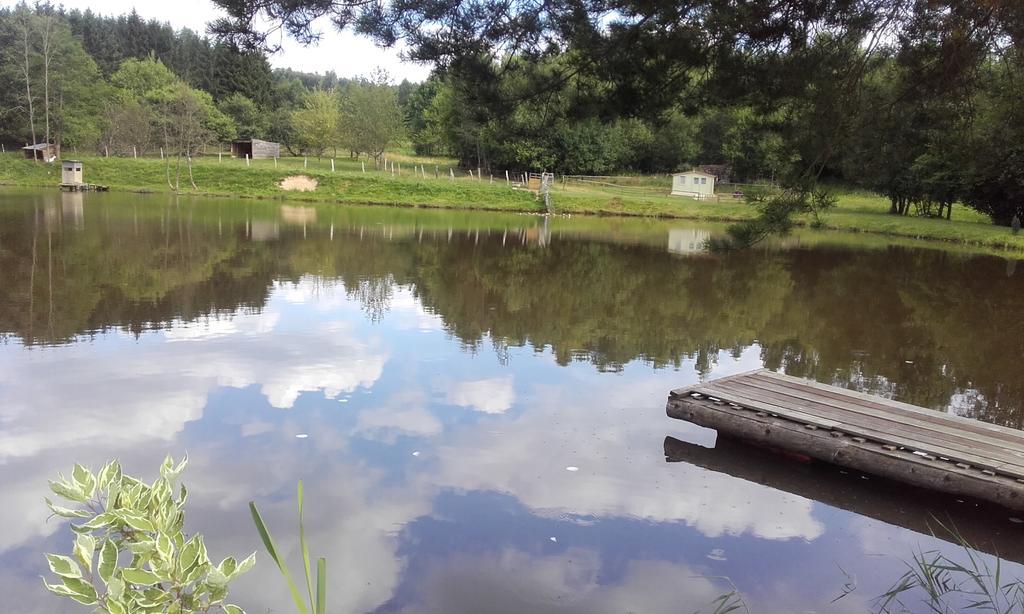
{"x": 83, "y": 187}
{"x": 878, "y": 436}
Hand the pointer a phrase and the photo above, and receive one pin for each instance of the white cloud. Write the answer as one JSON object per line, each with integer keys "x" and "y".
{"x": 490, "y": 396}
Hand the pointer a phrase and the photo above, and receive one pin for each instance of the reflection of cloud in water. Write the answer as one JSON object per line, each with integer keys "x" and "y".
{"x": 91, "y": 400}
{"x": 611, "y": 448}
{"x": 491, "y": 396}
{"x": 404, "y": 413}
{"x": 515, "y": 581}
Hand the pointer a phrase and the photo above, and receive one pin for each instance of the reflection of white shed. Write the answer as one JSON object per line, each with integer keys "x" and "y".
{"x": 693, "y": 183}
{"x": 687, "y": 240}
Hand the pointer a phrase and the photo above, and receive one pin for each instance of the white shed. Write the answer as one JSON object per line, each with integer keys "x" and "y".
{"x": 694, "y": 184}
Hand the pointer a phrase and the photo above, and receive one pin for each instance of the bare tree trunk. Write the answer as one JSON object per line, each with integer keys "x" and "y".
{"x": 26, "y": 71}
{"x": 46, "y": 73}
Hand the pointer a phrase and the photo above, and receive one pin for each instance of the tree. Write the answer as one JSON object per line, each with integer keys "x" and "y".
{"x": 250, "y": 120}
{"x": 316, "y": 124}
{"x": 372, "y": 118}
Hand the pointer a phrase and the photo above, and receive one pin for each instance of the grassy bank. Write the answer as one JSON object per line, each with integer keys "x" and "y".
{"x": 348, "y": 183}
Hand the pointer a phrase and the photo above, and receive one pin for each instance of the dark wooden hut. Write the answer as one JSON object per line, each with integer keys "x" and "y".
{"x": 255, "y": 149}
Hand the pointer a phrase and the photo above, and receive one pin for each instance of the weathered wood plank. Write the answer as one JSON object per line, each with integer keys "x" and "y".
{"x": 861, "y": 455}
{"x": 1012, "y": 436}
{"x": 852, "y": 428}
{"x": 896, "y": 423}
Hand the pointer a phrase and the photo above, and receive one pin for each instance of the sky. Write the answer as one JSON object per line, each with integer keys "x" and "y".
{"x": 345, "y": 54}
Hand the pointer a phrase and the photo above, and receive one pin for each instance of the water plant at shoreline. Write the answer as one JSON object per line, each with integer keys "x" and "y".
{"x": 131, "y": 553}
{"x": 945, "y": 584}
{"x": 317, "y": 603}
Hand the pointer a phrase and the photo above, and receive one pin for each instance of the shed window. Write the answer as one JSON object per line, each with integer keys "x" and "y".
{"x": 696, "y": 180}
{"x": 703, "y": 180}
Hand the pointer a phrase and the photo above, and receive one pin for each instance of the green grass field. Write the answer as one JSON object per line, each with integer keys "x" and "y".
{"x": 349, "y": 184}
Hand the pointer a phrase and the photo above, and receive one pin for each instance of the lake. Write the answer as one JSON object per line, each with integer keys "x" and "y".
{"x": 476, "y": 402}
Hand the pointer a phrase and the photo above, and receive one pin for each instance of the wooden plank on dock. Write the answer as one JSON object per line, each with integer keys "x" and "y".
{"x": 928, "y": 448}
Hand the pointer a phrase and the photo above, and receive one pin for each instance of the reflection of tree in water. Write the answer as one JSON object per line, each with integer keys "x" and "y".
{"x": 374, "y": 294}
{"x": 927, "y": 327}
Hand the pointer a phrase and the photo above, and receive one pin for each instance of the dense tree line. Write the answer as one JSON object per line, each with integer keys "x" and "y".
{"x": 916, "y": 99}
{"x": 126, "y": 86}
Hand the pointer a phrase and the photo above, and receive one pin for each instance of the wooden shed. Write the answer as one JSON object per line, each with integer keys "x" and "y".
{"x": 695, "y": 184}
{"x": 71, "y": 172}
{"x": 255, "y": 149}
{"x": 47, "y": 152}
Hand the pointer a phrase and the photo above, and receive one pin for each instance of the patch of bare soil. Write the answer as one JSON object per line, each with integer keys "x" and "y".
{"x": 298, "y": 183}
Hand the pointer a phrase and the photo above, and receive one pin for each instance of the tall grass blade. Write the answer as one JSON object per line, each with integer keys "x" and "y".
{"x": 268, "y": 543}
{"x": 305, "y": 550}
{"x": 321, "y": 586}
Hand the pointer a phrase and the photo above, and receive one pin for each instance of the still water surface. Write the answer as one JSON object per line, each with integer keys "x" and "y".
{"x": 447, "y": 370}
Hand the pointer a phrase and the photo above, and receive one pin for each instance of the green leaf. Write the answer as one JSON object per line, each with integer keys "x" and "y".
{"x": 115, "y": 588}
{"x": 85, "y": 480}
{"x": 68, "y": 491}
{"x": 136, "y": 521}
{"x": 268, "y": 543}
{"x": 139, "y": 576}
{"x": 232, "y": 609}
{"x": 227, "y": 566}
{"x": 321, "y": 586}
{"x": 100, "y": 521}
{"x": 197, "y": 572}
{"x": 216, "y": 578}
{"x": 81, "y": 588}
{"x": 189, "y": 553}
{"x": 165, "y": 547}
{"x": 66, "y": 512}
{"x": 142, "y": 547}
{"x": 248, "y": 563}
{"x": 85, "y": 548}
{"x": 110, "y": 474}
{"x": 86, "y": 597}
{"x": 114, "y": 607}
{"x": 108, "y": 561}
{"x": 63, "y": 566}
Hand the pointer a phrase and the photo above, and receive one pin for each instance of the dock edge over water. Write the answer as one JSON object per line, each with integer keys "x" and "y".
{"x": 878, "y": 436}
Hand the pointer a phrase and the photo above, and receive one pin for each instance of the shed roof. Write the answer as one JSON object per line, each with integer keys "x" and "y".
{"x": 38, "y": 146}
{"x": 702, "y": 173}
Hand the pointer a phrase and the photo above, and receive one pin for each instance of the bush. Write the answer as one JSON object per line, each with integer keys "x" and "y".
{"x": 128, "y": 519}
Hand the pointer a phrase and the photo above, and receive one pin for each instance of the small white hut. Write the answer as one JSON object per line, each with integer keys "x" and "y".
{"x": 695, "y": 184}
{"x": 71, "y": 172}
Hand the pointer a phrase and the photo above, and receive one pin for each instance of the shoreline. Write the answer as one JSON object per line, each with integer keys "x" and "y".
{"x": 860, "y": 215}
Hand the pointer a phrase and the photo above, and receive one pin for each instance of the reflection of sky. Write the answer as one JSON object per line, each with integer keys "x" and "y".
{"x": 436, "y": 479}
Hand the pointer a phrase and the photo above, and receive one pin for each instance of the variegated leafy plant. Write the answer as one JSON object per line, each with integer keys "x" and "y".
{"x": 131, "y": 554}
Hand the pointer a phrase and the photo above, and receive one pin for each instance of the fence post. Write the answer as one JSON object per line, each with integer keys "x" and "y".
{"x": 275, "y": 161}
{"x": 452, "y": 174}
{"x": 161, "y": 153}
{"x": 332, "y": 165}
{"x": 435, "y": 171}
{"x": 305, "y": 162}
{"x": 363, "y": 162}
{"x": 247, "y": 160}
{"x": 479, "y": 174}
{"x": 106, "y": 152}
{"x": 506, "y": 177}
{"x": 135, "y": 152}
{"x": 492, "y": 178}
{"x": 470, "y": 173}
